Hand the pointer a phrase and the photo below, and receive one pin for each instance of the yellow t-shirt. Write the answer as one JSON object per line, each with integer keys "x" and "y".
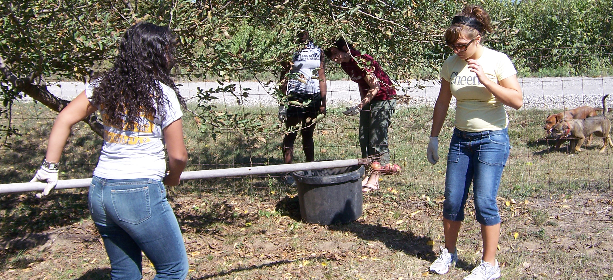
{"x": 476, "y": 108}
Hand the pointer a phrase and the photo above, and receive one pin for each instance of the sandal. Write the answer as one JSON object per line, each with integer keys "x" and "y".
{"x": 365, "y": 180}
{"x": 370, "y": 187}
{"x": 367, "y": 185}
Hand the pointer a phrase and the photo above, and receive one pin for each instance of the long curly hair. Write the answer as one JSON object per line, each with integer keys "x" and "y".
{"x": 131, "y": 89}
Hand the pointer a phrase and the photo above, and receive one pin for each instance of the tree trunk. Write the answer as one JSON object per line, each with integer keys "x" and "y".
{"x": 41, "y": 94}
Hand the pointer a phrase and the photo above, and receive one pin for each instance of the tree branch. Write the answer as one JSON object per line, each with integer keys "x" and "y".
{"x": 372, "y": 16}
{"x": 41, "y": 94}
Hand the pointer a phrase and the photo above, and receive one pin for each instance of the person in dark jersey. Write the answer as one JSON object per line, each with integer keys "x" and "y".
{"x": 305, "y": 89}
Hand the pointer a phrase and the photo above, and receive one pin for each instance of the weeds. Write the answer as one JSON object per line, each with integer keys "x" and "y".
{"x": 223, "y": 218}
{"x": 539, "y": 217}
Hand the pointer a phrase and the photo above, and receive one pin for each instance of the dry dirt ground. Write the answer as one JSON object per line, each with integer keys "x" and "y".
{"x": 397, "y": 236}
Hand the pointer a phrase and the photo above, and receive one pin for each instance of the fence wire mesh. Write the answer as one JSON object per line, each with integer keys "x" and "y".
{"x": 337, "y": 137}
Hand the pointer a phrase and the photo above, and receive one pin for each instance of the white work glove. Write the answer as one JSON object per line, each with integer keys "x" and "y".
{"x": 45, "y": 174}
{"x": 282, "y": 113}
{"x": 433, "y": 150}
{"x": 352, "y": 111}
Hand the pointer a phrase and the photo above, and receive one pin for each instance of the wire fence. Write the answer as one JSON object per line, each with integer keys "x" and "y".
{"x": 337, "y": 138}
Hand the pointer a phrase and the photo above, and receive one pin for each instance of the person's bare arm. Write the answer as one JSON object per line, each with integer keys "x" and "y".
{"x": 373, "y": 89}
{"x": 323, "y": 88}
{"x": 177, "y": 153}
{"x": 440, "y": 108}
{"x": 77, "y": 110}
{"x": 286, "y": 67}
{"x": 508, "y": 91}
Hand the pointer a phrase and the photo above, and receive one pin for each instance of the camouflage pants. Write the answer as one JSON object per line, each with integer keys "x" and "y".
{"x": 374, "y": 122}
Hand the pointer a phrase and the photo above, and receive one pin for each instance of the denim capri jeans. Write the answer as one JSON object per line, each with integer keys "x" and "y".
{"x": 477, "y": 158}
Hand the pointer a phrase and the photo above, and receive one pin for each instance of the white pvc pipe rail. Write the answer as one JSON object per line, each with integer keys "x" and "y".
{"x": 200, "y": 174}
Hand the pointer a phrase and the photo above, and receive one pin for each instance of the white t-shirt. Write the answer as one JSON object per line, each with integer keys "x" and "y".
{"x": 476, "y": 108}
{"x": 306, "y": 65}
{"x": 138, "y": 153}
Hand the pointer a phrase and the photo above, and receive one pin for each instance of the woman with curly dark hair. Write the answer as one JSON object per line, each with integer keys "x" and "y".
{"x": 140, "y": 109}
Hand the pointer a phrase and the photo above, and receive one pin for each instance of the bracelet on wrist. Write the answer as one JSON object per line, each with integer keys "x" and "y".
{"x": 54, "y": 166}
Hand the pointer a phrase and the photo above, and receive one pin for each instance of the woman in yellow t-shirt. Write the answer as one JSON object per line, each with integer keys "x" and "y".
{"x": 482, "y": 81}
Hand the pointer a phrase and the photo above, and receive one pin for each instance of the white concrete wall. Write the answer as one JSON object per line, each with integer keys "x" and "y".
{"x": 544, "y": 93}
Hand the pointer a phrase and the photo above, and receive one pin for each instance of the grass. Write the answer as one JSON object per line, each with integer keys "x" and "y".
{"x": 249, "y": 227}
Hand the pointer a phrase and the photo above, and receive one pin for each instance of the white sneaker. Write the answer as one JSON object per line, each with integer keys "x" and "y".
{"x": 443, "y": 262}
{"x": 485, "y": 271}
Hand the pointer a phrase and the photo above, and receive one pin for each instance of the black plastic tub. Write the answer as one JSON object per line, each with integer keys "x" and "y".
{"x": 330, "y": 196}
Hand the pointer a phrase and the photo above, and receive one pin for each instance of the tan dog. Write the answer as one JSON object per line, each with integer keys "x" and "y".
{"x": 577, "y": 130}
{"x": 577, "y": 113}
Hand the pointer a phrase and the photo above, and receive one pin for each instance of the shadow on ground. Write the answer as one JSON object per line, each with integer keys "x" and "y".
{"x": 404, "y": 241}
{"x": 96, "y": 274}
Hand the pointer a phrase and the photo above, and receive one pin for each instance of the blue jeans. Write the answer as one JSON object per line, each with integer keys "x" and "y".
{"x": 374, "y": 123}
{"x": 133, "y": 216}
{"x": 477, "y": 158}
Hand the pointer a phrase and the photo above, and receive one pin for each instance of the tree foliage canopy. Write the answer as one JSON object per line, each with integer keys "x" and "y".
{"x": 43, "y": 40}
